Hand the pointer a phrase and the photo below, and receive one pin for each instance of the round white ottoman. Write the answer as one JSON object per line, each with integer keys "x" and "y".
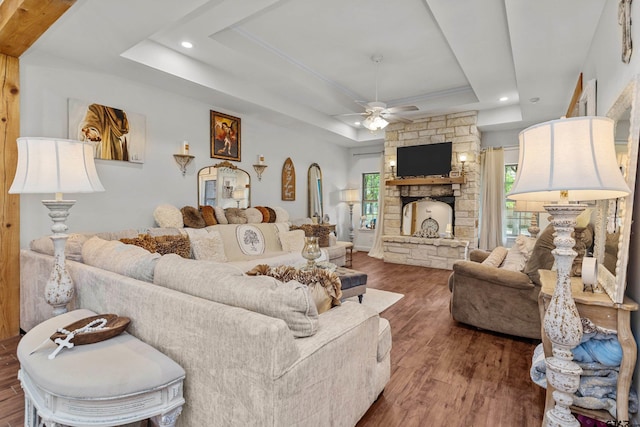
{"x": 110, "y": 383}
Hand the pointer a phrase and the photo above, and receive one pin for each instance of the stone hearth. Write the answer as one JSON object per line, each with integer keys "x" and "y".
{"x": 461, "y": 130}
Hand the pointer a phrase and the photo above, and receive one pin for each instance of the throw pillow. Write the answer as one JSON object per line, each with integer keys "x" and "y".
{"x": 292, "y": 241}
{"x": 220, "y": 216}
{"x": 265, "y": 213}
{"x": 168, "y": 216}
{"x": 542, "y": 258}
{"x": 519, "y": 253}
{"x": 192, "y": 217}
{"x": 144, "y": 241}
{"x": 235, "y": 216}
{"x": 281, "y": 214}
{"x": 72, "y": 248}
{"x": 272, "y": 214}
{"x": 208, "y": 215}
{"x": 179, "y": 245}
{"x": 115, "y": 256}
{"x": 254, "y": 216}
{"x": 209, "y": 247}
{"x": 496, "y": 257}
{"x": 250, "y": 239}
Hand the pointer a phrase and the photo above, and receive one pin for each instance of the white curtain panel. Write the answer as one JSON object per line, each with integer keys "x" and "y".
{"x": 377, "y": 249}
{"x": 491, "y": 198}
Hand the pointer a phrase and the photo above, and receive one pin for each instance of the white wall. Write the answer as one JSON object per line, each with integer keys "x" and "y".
{"x": 612, "y": 75}
{"x": 134, "y": 190}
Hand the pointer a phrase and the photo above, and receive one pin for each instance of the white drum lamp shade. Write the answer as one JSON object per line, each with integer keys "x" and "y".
{"x": 50, "y": 165}
{"x": 575, "y": 155}
{"x": 562, "y": 161}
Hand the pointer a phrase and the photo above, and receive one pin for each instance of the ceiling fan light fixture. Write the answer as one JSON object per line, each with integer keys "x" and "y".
{"x": 374, "y": 123}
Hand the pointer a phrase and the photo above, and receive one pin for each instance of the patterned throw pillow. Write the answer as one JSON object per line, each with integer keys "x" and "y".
{"x": 179, "y": 245}
{"x": 250, "y": 239}
{"x": 144, "y": 241}
{"x": 208, "y": 215}
{"x": 192, "y": 217}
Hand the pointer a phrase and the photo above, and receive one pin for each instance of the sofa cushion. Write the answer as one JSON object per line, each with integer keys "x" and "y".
{"x": 225, "y": 284}
{"x": 208, "y": 215}
{"x": 115, "y": 256}
{"x": 292, "y": 241}
{"x": 72, "y": 248}
{"x": 208, "y": 247}
{"x": 192, "y": 217}
{"x": 496, "y": 257}
{"x": 167, "y": 215}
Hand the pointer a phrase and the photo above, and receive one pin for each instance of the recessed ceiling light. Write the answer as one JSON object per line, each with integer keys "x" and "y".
{"x": 504, "y": 98}
{"x": 356, "y": 123}
{"x": 187, "y": 45}
{"x": 534, "y": 100}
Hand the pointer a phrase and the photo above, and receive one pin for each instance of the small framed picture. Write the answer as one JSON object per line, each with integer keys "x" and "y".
{"x": 454, "y": 174}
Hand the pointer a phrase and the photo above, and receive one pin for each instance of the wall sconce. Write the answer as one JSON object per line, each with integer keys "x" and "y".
{"x": 260, "y": 166}
{"x": 392, "y": 165}
{"x": 462, "y": 157}
{"x": 183, "y": 159}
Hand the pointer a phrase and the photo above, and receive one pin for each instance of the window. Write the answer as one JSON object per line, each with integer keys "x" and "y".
{"x": 370, "y": 190}
{"x": 515, "y": 222}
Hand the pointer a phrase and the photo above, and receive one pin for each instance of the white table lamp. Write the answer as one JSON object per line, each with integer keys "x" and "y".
{"x": 350, "y": 196}
{"x": 51, "y": 165}
{"x": 565, "y": 161}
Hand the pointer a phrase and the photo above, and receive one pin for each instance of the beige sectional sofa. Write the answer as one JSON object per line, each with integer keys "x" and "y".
{"x": 255, "y": 350}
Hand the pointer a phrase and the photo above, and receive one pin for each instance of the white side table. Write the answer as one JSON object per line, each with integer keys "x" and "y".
{"x": 110, "y": 383}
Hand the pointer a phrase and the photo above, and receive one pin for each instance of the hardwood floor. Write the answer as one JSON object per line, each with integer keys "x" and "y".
{"x": 442, "y": 373}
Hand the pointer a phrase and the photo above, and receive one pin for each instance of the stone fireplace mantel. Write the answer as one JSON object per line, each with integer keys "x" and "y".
{"x": 459, "y": 129}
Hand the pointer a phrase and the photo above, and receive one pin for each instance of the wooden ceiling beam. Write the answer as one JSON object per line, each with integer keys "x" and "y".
{"x": 22, "y": 22}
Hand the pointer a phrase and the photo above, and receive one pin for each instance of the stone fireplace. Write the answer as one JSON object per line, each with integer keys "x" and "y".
{"x": 461, "y": 130}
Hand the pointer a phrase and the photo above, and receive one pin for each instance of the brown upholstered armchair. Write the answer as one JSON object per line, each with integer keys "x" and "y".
{"x": 504, "y": 300}
{"x": 494, "y": 298}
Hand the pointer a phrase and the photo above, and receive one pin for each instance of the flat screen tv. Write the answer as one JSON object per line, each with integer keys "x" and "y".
{"x": 424, "y": 160}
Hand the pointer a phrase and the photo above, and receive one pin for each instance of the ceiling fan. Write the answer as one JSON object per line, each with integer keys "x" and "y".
{"x": 377, "y": 114}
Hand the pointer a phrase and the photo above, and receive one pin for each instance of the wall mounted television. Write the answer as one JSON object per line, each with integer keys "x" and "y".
{"x": 424, "y": 160}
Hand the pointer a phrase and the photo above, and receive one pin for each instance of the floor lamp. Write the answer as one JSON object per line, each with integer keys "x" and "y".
{"x": 50, "y": 165}
{"x": 565, "y": 161}
{"x": 350, "y": 196}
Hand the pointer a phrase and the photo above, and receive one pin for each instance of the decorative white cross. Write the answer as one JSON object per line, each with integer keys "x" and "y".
{"x": 62, "y": 343}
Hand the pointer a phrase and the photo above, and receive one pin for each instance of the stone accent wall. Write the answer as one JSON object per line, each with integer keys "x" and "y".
{"x": 461, "y": 130}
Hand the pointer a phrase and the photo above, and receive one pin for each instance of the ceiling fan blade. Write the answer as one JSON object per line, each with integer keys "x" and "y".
{"x": 401, "y": 108}
{"x": 393, "y": 118}
{"x": 351, "y": 114}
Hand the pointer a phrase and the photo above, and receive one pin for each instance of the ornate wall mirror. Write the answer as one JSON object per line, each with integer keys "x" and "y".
{"x": 613, "y": 224}
{"x": 314, "y": 176}
{"x": 224, "y": 185}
